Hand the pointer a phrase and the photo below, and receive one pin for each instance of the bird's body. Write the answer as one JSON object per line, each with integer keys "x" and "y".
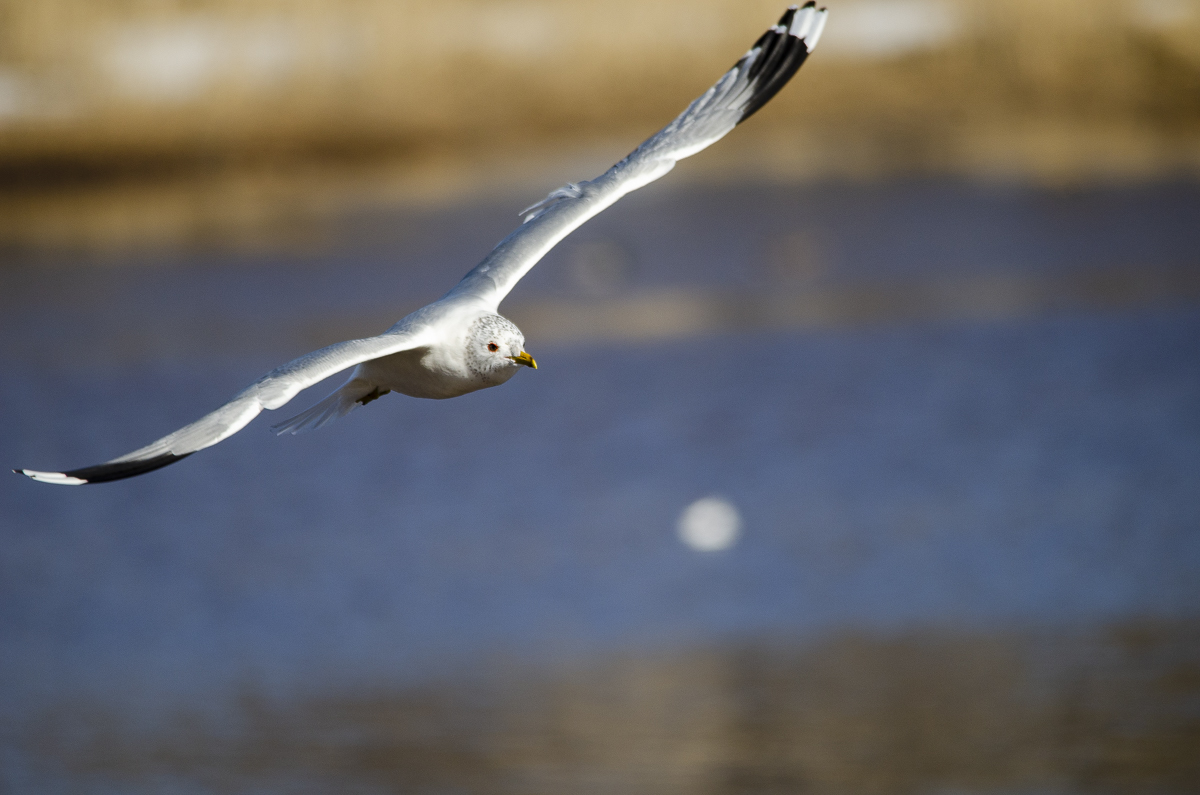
{"x": 460, "y": 343}
{"x": 457, "y": 360}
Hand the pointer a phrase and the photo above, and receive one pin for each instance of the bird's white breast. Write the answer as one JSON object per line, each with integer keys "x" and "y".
{"x": 437, "y": 371}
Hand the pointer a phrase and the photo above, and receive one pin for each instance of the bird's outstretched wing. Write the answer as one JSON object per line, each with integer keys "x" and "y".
{"x": 269, "y": 392}
{"x": 744, "y": 89}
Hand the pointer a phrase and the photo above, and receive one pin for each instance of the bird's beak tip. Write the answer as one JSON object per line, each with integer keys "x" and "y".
{"x": 525, "y": 359}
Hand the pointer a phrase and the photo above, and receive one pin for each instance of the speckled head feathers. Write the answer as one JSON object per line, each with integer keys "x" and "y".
{"x": 491, "y": 340}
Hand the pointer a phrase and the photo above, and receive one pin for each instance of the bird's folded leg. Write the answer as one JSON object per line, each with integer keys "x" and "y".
{"x": 374, "y": 394}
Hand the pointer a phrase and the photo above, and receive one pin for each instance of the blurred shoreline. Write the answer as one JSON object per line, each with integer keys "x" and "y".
{"x": 291, "y": 207}
{"x": 127, "y": 126}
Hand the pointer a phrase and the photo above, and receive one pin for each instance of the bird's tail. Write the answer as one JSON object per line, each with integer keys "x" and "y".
{"x": 351, "y": 395}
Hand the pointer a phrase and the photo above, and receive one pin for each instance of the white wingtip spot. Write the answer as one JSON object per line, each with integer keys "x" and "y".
{"x": 814, "y": 36}
{"x": 57, "y": 478}
{"x": 802, "y": 22}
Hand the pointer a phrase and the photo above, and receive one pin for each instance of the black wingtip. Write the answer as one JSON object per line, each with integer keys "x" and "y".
{"x": 103, "y": 473}
{"x": 777, "y": 68}
{"x": 780, "y": 56}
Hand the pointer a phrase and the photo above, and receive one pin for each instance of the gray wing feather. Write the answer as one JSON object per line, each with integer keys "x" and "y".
{"x": 740, "y": 92}
{"x": 269, "y": 392}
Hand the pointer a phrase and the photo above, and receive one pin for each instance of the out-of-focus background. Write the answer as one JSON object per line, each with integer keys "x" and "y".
{"x": 134, "y": 123}
{"x": 863, "y": 455}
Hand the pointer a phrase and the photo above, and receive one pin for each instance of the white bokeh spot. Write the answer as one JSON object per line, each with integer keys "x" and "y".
{"x": 710, "y": 524}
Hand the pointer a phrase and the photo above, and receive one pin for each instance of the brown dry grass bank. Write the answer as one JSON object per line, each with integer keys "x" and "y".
{"x": 176, "y": 110}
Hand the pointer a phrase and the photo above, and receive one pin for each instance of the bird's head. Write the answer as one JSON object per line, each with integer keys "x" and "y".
{"x": 496, "y": 348}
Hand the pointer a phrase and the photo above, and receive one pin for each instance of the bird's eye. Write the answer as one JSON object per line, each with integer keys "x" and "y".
{"x": 493, "y": 347}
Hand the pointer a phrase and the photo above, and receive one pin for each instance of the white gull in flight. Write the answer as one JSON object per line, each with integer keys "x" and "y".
{"x": 459, "y": 343}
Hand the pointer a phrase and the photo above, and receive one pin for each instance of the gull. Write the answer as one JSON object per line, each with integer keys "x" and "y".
{"x": 460, "y": 343}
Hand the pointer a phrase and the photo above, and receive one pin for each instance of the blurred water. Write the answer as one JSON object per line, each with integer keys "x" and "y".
{"x": 968, "y": 557}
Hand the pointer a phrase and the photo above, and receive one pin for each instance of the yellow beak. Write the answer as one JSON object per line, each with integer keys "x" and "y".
{"x": 524, "y": 359}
